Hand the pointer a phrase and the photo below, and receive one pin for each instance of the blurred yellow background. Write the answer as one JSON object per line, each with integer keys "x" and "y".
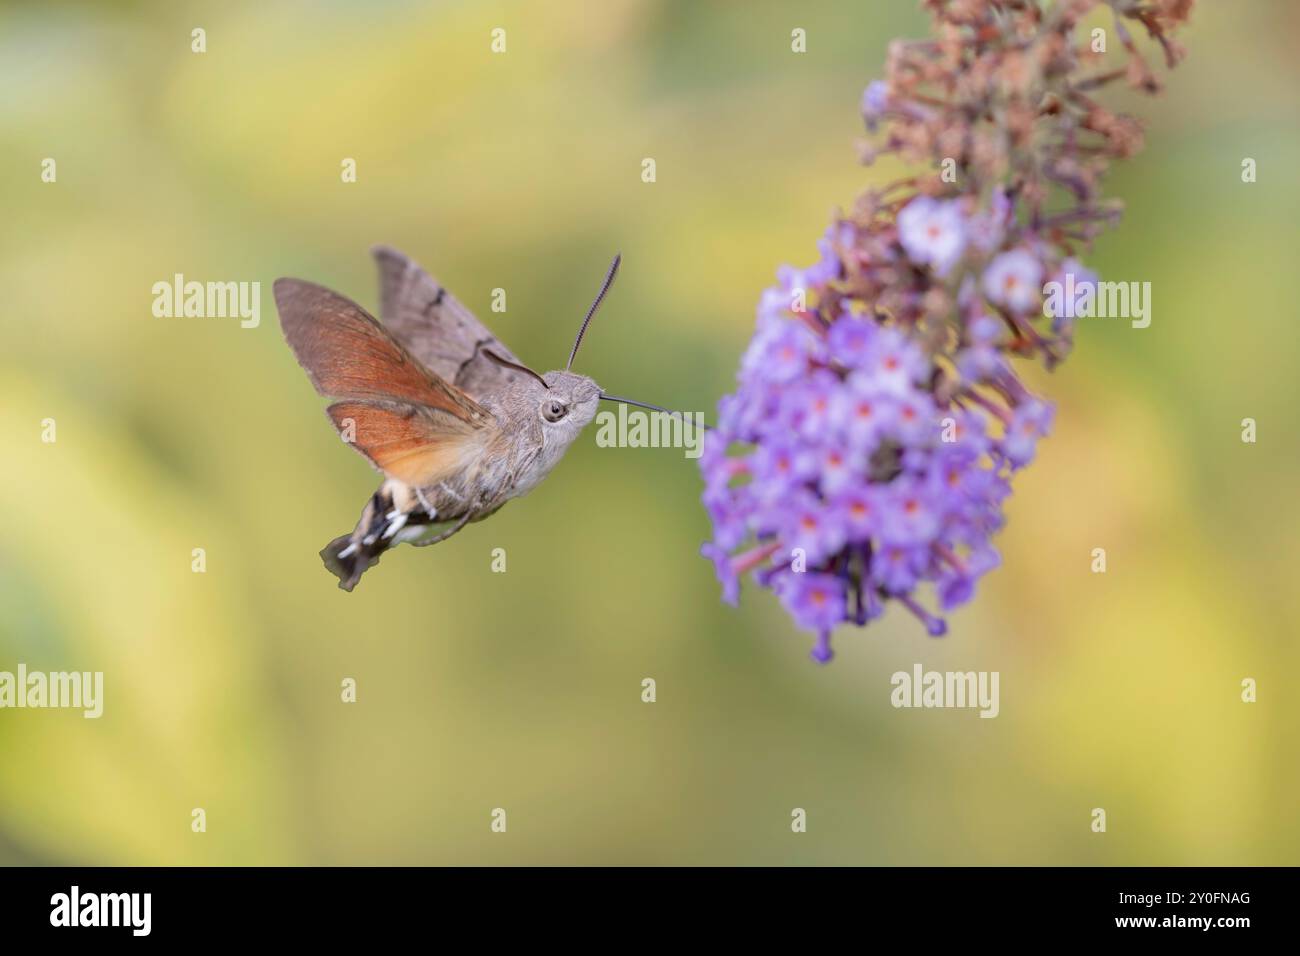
{"x": 523, "y": 690}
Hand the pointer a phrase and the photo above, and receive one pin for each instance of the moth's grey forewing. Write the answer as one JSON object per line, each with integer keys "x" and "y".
{"x": 437, "y": 328}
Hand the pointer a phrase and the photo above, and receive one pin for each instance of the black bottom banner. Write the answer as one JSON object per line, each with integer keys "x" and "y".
{"x": 372, "y": 904}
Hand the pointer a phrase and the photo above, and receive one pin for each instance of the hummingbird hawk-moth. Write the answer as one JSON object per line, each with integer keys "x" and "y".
{"x": 455, "y": 422}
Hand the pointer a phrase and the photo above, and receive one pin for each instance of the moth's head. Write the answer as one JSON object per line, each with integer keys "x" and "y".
{"x": 563, "y": 400}
{"x": 568, "y": 402}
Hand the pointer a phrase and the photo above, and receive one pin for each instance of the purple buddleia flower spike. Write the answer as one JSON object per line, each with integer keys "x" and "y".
{"x": 864, "y": 458}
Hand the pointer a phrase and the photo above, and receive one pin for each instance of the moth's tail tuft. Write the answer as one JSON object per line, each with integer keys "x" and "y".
{"x": 350, "y": 555}
{"x": 348, "y": 559}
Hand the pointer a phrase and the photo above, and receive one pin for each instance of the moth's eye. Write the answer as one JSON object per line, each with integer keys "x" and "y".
{"x": 553, "y": 411}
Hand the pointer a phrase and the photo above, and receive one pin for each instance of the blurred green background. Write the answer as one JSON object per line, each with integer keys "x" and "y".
{"x": 522, "y": 690}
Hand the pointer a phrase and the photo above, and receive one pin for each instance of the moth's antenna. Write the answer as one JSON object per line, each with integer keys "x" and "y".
{"x": 609, "y": 281}
{"x": 506, "y": 363}
{"x": 656, "y": 408}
